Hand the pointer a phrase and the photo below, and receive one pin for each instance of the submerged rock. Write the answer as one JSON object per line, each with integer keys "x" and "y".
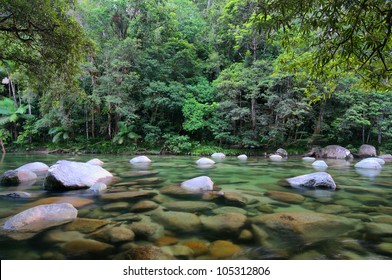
{"x": 15, "y": 195}
{"x": 87, "y": 247}
{"x": 36, "y": 219}
{"x": 190, "y": 206}
{"x": 227, "y": 223}
{"x": 178, "y": 221}
{"x": 305, "y": 226}
{"x": 315, "y": 180}
{"x": 222, "y": 249}
{"x": 285, "y": 197}
{"x": 16, "y": 177}
{"x": 98, "y": 187}
{"x": 198, "y": 184}
{"x": 68, "y": 175}
{"x": 140, "y": 160}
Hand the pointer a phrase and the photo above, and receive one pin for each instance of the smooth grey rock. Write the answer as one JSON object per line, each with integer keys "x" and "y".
{"x": 38, "y": 168}
{"x": 335, "y": 152}
{"x": 16, "y": 177}
{"x": 68, "y": 175}
{"x": 95, "y": 161}
{"x": 140, "y": 160}
{"x": 205, "y": 161}
{"x": 218, "y": 155}
{"x": 38, "y": 218}
{"x": 242, "y": 157}
{"x": 198, "y": 184}
{"x": 387, "y": 157}
{"x": 224, "y": 223}
{"x": 275, "y": 157}
{"x": 313, "y": 181}
{"x": 368, "y": 163}
{"x": 308, "y": 159}
{"x": 98, "y": 187}
{"x": 367, "y": 151}
{"x": 282, "y": 152}
{"x": 320, "y": 163}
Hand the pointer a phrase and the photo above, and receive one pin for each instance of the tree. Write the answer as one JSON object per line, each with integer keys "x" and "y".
{"x": 357, "y": 32}
{"x": 42, "y": 36}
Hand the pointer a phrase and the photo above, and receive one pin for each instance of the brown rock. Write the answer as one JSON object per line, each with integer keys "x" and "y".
{"x": 235, "y": 199}
{"x": 77, "y": 202}
{"x": 166, "y": 241}
{"x": 147, "y": 253}
{"x": 286, "y": 197}
{"x": 222, "y": 249}
{"x": 86, "y": 246}
{"x": 199, "y": 248}
{"x": 144, "y": 205}
{"x": 224, "y": 223}
{"x": 127, "y": 195}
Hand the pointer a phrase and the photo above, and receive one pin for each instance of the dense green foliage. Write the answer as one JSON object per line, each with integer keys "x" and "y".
{"x": 188, "y": 76}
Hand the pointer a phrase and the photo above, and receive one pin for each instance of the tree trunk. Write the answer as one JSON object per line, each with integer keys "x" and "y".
{"x": 2, "y": 146}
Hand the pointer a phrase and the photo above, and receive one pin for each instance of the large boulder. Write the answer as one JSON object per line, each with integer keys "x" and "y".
{"x": 317, "y": 180}
{"x": 68, "y": 175}
{"x": 140, "y": 160}
{"x": 282, "y": 152}
{"x": 335, "y": 152}
{"x": 38, "y": 218}
{"x": 16, "y": 177}
{"x": 198, "y": 184}
{"x": 367, "y": 151}
{"x": 368, "y": 163}
{"x": 39, "y": 168}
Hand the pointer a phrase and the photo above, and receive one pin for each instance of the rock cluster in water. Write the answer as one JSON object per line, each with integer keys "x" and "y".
{"x": 144, "y": 219}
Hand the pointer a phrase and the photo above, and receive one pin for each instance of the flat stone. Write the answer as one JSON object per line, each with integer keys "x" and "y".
{"x": 285, "y": 197}
{"x": 199, "y": 248}
{"x": 144, "y": 205}
{"x": 85, "y": 225}
{"x": 59, "y": 236}
{"x": 385, "y": 247}
{"x": 228, "y": 209}
{"x": 308, "y": 226}
{"x": 129, "y": 217}
{"x": 116, "y": 206}
{"x": 77, "y": 202}
{"x": 166, "y": 241}
{"x": 235, "y": 199}
{"x": 178, "y": 221}
{"x": 147, "y": 253}
{"x": 308, "y": 159}
{"x": 179, "y": 251}
{"x": 379, "y": 229}
{"x": 190, "y": 206}
{"x": 86, "y": 246}
{"x": 148, "y": 230}
{"x": 177, "y": 191}
{"x": 127, "y": 195}
{"x": 333, "y": 209}
{"x": 224, "y": 223}
{"x": 384, "y": 219}
{"x": 222, "y": 249}
{"x": 114, "y": 234}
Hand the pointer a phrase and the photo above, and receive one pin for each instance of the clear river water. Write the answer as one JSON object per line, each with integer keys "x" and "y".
{"x": 252, "y": 214}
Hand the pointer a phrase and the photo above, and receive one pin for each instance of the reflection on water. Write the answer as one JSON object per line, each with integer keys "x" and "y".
{"x": 251, "y": 214}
